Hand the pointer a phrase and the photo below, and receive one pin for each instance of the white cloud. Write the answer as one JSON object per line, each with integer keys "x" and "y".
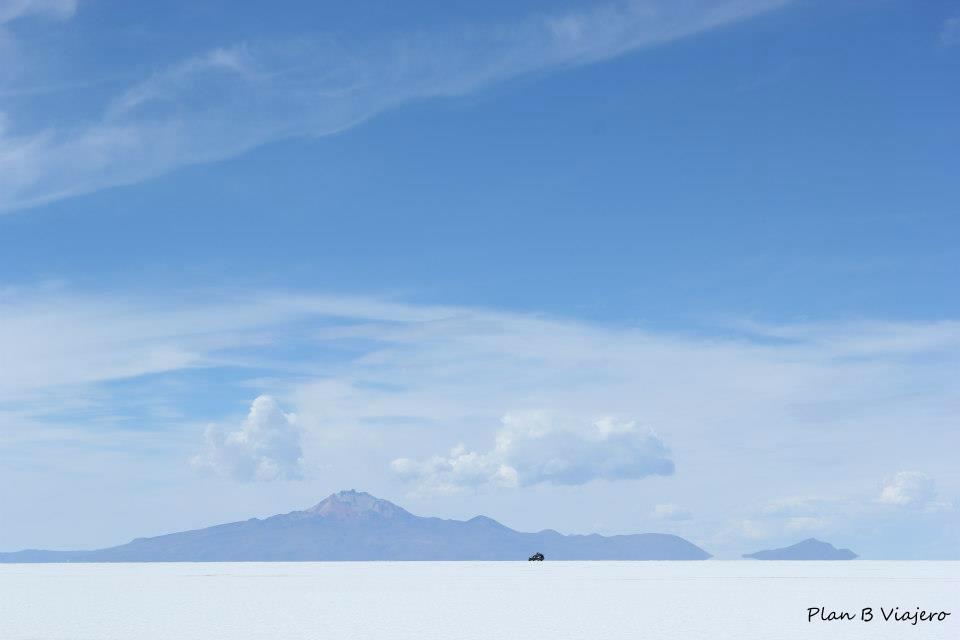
{"x": 805, "y": 524}
{"x": 671, "y": 512}
{"x": 230, "y": 100}
{"x": 536, "y": 447}
{"x": 265, "y": 447}
{"x": 845, "y": 512}
{"x": 14, "y": 64}
{"x": 59, "y": 9}
{"x": 950, "y": 34}
{"x": 460, "y": 469}
{"x": 797, "y": 507}
{"x": 908, "y": 489}
{"x": 786, "y": 517}
{"x": 439, "y": 365}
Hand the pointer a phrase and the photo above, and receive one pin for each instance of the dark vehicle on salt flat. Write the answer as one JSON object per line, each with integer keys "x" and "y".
{"x": 536, "y": 557}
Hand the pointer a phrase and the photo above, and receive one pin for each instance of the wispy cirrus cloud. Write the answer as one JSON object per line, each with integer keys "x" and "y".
{"x": 12, "y": 59}
{"x": 58, "y": 9}
{"x": 231, "y": 99}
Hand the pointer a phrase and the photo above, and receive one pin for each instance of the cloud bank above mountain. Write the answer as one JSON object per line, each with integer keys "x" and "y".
{"x": 534, "y": 447}
{"x": 543, "y": 405}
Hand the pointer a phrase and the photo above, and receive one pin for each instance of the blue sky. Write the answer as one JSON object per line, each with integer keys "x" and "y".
{"x": 683, "y": 267}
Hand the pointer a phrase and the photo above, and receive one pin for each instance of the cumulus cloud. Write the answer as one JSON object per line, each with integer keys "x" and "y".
{"x": 908, "y": 489}
{"x": 229, "y": 100}
{"x": 537, "y": 447}
{"x": 265, "y": 447}
{"x": 671, "y": 512}
{"x": 453, "y": 472}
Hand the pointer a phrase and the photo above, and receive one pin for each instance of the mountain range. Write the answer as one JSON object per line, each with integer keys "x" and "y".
{"x": 353, "y": 525}
{"x": 809, "y": 549}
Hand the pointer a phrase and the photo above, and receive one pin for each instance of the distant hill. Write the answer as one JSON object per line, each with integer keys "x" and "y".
{"x": 809, "y": 549}
{"x": 353, "y": 525}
